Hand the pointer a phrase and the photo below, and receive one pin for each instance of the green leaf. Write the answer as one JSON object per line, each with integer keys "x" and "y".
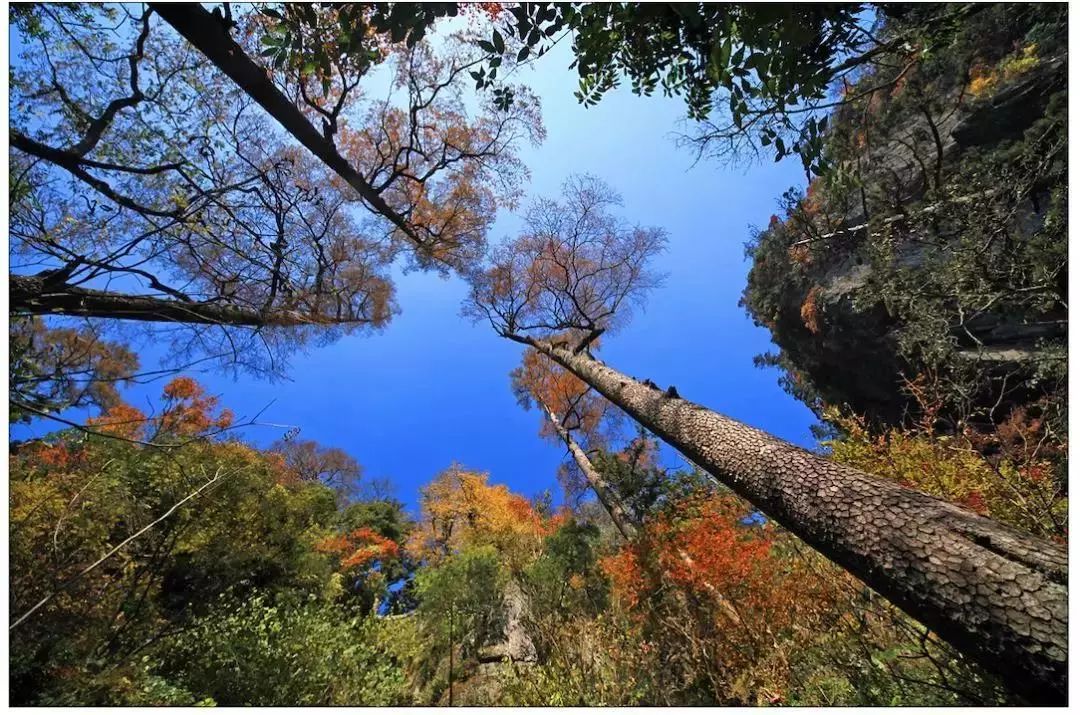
{"x": 725, "y": 54}
{"x": 497, "y": 42}
{"x": 523, "y": 54}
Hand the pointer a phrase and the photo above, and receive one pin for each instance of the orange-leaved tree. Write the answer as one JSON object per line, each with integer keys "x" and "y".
{"x": 188, "y": 413}
{"x": 703, "y": 545}
{"x": 999, "y": 595}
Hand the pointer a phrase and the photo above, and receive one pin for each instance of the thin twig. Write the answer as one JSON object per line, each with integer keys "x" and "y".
{"x": 64, "y": 586}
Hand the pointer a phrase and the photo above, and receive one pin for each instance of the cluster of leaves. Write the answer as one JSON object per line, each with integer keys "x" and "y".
{"x": 56, "y": 368}
{"x": 752, "y": 62}
{"x": 707, "y": 605}
{"x": 266, "y": 651}
{"x": 460, "y": 510}
{"x": 682, "y": 567}
{"x": 461, "y": 609}
{"x": 140, "y": 574}
{"x": 642, "y": 485}
{"x": 314, "y": 36}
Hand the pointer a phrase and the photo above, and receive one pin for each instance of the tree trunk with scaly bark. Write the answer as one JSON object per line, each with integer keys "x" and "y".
{"x": 996, "y": 594}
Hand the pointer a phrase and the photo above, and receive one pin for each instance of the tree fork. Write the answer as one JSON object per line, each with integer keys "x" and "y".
{"x": 209, "y": 36}
{"x": 996, "y": 594}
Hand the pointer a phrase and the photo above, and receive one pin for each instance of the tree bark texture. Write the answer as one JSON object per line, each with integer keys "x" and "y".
{"x": 996, "y": 594}
{"x": 35, "y": 295}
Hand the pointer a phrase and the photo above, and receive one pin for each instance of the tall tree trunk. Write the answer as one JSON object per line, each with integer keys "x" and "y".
{"x": 993, "y": 592}
{"x": 210, "y": 36}
{"x": 611, "y": 502}
{"x": 35, "y": 295}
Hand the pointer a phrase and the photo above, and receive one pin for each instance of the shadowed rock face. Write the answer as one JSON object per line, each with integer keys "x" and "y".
{"x": 854, "y": 359}
{"x": 481, "y": 682}
{"x": 853, "y": 356}
{"x": 995, "y": 593}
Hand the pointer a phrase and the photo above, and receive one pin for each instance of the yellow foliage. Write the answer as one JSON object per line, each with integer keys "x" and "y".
{"x": 1020, "y": 492}
{"x": 984, "y": 80}
{"x": 459, "y": 509}
{"x": 1016, "y": 65}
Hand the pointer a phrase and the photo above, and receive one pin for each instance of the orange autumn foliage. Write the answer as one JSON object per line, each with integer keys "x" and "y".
{"x": 1008, "y": 474}
{"x": 489, "y": 10}
{"x": 446, "y": 169}
{"x": 725, "y": 554}
{"x": 120, "y": 420}
{"x": 704, "y": 546}
{"x": 539, "y": 380}
{"x": 53, "y": 457}
{"x": 810, "y": 311}
{"x": 702, "y": 580}
{"x": 359, "y": 548}
{"x": 812, "y": 203}
{"x": 60, "y": 355}
{"x": 188, "y": 409}
{"x": 801, "y": 255}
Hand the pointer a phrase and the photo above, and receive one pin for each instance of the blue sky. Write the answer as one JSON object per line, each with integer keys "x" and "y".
{"x": 433, "y": 389}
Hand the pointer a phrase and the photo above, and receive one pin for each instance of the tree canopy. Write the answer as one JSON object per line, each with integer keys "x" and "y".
{"x": 221, "y": 187}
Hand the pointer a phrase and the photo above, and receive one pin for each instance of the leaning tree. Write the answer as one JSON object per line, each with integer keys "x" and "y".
{"x": 148, "y": 191}
{"x": 573, "y": 416}
{"x": 993, "y": 592}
